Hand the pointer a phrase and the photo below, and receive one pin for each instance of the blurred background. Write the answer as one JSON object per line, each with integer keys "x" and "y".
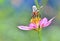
{"x": 18, "y": 12}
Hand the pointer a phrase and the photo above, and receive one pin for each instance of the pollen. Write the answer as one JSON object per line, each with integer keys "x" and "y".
{"x": 35, "y": 20}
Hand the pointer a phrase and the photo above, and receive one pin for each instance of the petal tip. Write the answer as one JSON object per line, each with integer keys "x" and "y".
{"x": 24, "y": 27}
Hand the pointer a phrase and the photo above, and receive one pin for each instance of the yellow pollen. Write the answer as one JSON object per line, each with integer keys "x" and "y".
{"x": 35, "y": 20}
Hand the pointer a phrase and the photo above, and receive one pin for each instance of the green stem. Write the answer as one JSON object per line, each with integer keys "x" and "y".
{"x": 38, "y": 6}
{"x": 40, "y": 35}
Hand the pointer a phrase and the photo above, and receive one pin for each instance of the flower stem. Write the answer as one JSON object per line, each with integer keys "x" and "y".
{"x": 38, "y": 6}
{"x": 40, "y": 35}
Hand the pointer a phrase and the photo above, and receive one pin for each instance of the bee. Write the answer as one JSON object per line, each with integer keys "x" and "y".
{"x": 35, "y": 11}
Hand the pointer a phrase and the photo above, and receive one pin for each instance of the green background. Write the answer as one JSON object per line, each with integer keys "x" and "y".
{"x": 13, "y": 15}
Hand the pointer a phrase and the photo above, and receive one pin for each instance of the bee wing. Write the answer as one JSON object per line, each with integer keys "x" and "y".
{"x": 34, "y": 8}
{"x": 41, "y": 7}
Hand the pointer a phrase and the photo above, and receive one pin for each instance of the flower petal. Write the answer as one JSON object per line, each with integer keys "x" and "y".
{"x": 25, "y": 28}
{"x": 32, "y": 25}
{"x": 43, "y": 22}
{"x": 47, "y": 23}
{"x": 50, "y": 21}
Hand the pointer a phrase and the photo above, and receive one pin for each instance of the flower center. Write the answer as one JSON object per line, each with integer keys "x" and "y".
{"x": 35, "y": 20}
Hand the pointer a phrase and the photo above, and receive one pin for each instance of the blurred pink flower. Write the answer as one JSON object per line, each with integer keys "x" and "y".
{"x": 42, "y": 23}
{"x": 16, "y": 2}
{"x": 30, "y": 27}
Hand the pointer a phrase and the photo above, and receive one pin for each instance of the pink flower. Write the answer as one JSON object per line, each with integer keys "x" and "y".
{"x": 42, "y": 23}
{"x": 30, "y": 27}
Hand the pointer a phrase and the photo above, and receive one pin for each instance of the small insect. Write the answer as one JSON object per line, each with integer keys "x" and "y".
{"x": 35, "y": 11}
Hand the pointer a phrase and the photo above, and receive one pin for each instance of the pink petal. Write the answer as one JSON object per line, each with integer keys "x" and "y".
{"x": 46, "y": 23}
{"x": 50, "y": 21}
{"x": 25, "y": 28}
{"x": 32, "y": 25}
{"x": 43, "y": 22}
